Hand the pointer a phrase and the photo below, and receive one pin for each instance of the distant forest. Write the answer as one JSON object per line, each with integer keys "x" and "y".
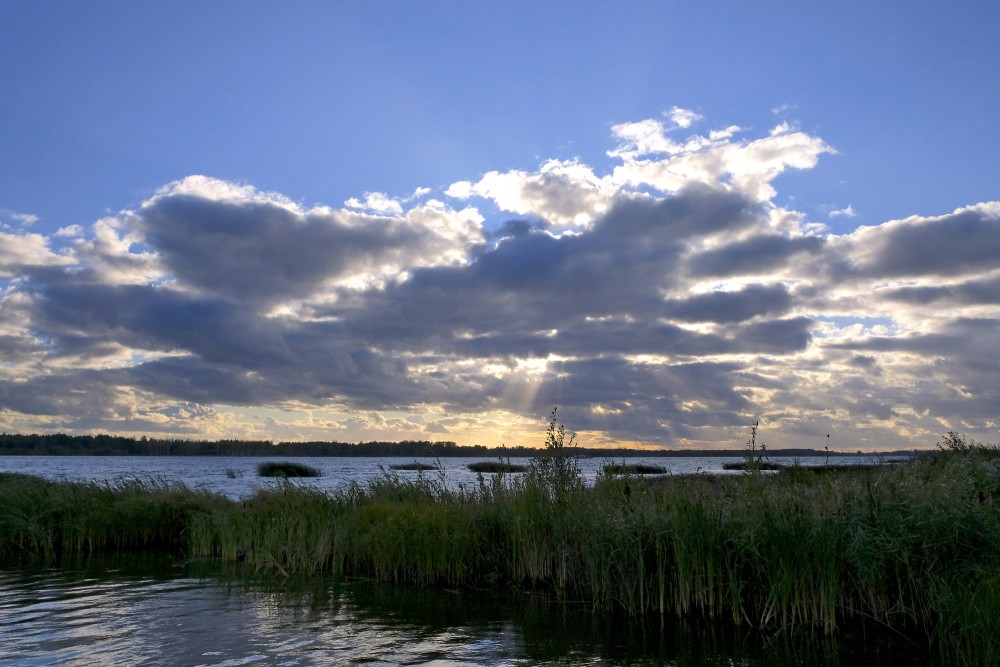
{"x": 61, "y": 444}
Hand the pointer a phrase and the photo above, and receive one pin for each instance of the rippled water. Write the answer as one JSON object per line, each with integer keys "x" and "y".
{"x": 150, "y": 615}
{"x": 237, "y": 476}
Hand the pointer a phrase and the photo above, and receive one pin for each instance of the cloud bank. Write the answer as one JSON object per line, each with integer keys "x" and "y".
{"x": 669, "y": 301}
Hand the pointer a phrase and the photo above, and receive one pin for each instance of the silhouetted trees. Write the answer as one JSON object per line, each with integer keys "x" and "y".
{"x": 62, "y": 444}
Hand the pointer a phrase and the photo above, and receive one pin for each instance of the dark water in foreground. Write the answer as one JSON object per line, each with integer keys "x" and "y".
{"x": 152, "y": 613}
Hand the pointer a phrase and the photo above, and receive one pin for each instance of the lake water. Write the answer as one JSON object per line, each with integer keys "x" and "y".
{"x": 236, "y": 476}
{"x": 149, "y": 611}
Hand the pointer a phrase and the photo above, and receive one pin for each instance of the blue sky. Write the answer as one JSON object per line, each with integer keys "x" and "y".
{"x": 351, "y": 220}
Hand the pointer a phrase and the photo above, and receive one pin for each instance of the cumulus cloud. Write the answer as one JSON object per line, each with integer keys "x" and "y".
{"x": 717, "y": 159}
{"x": 560, "y": 193}
{"x": 668, "y": 301}
{"x": 682, "y": 117}
{"x": 22, "y": 253}
{"x": 376, "y": 202}
{"x": 240, "y": 243}
{"x": 966, "y": 241}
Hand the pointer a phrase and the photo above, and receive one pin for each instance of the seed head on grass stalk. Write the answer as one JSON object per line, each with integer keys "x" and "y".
{"x": 556, "y": 471}
{"x": 755, "y": 451}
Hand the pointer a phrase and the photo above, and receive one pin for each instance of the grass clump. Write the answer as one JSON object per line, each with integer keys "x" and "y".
{"x": 286, "y": 469}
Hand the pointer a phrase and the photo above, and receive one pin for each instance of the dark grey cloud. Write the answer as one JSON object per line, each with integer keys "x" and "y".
{"x": 639, "y": 400}
{"x": 747, "y": 303}
{"x": 514, "y": 228}
{"x": 536, "y": 281}
{"x": 971, "y": 293}
{"x": 15, "y": 348}
{"x": 697, "y": 210}
{"x": 263, "y": 250}
{"x": 73, "y": 394}
{"x": 957, "y": 376}
{"x": 966, "y": 241}
{"x": 74, "y": 317}
{"x": 756, "y": 255}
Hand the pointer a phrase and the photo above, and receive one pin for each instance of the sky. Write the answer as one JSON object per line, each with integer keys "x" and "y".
{"x": 439, "y": 220}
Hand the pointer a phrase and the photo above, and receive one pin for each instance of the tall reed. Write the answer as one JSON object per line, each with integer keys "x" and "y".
{"x": 46, "y": 520}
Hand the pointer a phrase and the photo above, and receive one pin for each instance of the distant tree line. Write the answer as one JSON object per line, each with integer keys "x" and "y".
{"x": 62, "y": 444}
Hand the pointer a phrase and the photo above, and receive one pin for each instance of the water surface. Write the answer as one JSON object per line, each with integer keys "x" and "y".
{"x": 236, "y": 476}
{"x": 150, "y": 612}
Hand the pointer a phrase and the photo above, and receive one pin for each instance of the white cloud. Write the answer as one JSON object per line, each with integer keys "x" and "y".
{"x": 376, "y": 202}
{"x": 561, "y": 193}
{"x": 716, "y": 160}
{"x": 23, "y": 219}
{"x": 218, "y": 190}
{"x": 843, "y": 212}
{"x": 70, "y": 231}
{"x": 682, "y": 118}
{"x": 644, "y": 137}
{"x": 21, "y": 252}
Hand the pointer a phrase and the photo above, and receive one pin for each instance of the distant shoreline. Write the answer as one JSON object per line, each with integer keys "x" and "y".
{"x": 107, "y": 445}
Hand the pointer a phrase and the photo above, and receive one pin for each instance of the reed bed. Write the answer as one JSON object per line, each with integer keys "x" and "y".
{"x": 43, "y": 520}
{"x": 913, "y": 546}
{"x": 496, "y": 466}
{"x": 634, "y": 469}
{"x": 416, "y": 466}
{"x": 286, "y": 469}
{"x": 753, "y": 466}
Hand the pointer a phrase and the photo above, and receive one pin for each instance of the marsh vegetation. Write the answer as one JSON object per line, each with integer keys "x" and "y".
{"x": 496, "y": 467}
{"x": 416, "y": 466}
{"x": 634, "y": 469}
{"x": 912, "y": 546}
{"x": 286, "y": 469}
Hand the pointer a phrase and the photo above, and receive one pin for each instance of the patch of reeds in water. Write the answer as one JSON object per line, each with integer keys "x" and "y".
{"x": 913, "y": 546}
{"x": 415, "y": 466}
{"x": 43, "y": 520}
{"x": 753, "y": 465}
{"x": 634, "y": 469}
{"x": 286, "y": 469}
{"x": 496, "y": 466}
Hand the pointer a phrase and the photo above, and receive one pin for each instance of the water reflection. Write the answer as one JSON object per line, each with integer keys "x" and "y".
{"x": 150, "y": 613}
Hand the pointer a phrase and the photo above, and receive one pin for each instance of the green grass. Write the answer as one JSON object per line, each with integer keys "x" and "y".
{"x": 286, "y": 469}
{"x": 913, "y": 546}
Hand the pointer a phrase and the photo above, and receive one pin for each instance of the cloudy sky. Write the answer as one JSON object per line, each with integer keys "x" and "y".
{"x": 438, "y": 220}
